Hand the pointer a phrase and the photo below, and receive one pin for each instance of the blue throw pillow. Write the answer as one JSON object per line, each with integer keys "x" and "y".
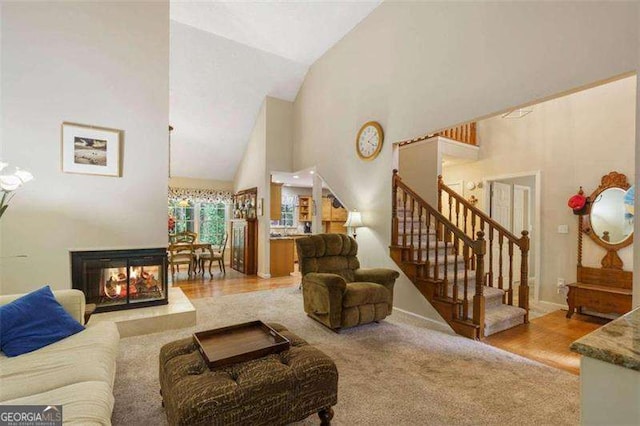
{"x": 34, "y": 321}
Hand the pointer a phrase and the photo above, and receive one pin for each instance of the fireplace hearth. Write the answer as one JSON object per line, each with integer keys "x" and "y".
{"x": 121, "y": 279}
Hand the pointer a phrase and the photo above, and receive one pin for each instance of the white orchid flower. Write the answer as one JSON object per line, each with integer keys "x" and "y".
{"x": 3, "y": 165}
{"x": 10, "y": 182}
{"x": 23, "y": 175}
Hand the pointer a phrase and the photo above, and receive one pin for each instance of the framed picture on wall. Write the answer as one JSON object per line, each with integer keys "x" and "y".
{"x": 91, "y": 150}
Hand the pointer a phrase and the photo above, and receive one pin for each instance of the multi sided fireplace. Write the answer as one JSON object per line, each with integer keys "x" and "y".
{"x": 121, "y": 279}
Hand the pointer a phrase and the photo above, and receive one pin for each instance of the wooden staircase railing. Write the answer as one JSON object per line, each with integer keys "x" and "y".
{"x": 444, "y": 285}
{"x": 473, "y": 218}
{"x": 465, "y": 133}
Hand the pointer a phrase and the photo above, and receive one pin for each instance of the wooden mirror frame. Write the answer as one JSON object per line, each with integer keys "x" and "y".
{"x": 611, "y": 260}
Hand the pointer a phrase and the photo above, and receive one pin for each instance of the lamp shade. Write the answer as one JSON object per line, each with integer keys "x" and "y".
{"x": 354, "y": 220}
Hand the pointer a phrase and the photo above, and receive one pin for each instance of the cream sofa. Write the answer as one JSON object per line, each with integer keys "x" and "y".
{"x": 76, "y": 372}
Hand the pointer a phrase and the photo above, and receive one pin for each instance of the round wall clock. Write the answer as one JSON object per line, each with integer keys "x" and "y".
{"x": 369, "y": 140}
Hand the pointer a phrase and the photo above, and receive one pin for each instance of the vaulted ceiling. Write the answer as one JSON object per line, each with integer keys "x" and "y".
{"x": 226, "y": 57}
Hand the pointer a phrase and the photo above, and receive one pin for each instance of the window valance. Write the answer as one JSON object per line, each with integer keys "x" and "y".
{"x": 200, "y": 195}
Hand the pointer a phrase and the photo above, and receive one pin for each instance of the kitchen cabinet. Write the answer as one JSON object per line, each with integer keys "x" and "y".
{"x": 326, "y": 209}
{"x": 338, "y": 214}
{"x": 305, "y": 210}
{"x": 282, "y": 256}
{"x": 275, "y": 211}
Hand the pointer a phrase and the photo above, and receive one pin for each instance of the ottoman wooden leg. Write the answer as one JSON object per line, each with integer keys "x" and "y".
{"x": 326, "y": 414}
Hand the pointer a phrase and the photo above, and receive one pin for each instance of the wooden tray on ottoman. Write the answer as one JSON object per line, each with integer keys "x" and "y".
{"x": 239, "y": 343}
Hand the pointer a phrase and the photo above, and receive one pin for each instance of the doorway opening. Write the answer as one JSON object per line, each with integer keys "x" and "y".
{"x": 513, "y": 200}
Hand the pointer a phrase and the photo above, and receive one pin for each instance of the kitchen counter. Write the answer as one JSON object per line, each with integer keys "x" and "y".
{"x": 289, "y": 236}
{"x": 610, "y": 373}
{"x": 618, "y": 342}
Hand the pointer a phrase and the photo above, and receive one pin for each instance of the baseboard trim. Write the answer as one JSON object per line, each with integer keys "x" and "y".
{"x": 440, "y": 326}
{"x": 263, "y": 275}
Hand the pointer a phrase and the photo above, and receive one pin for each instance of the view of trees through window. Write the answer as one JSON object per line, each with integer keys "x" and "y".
{"x": 206, "y": 219}
{"x": 212, "y": 223}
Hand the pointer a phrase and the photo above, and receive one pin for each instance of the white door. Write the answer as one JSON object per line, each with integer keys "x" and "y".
{"x": 501, "y": 212}
{"x": 501, "y": 203}
{"x": 521, "y": 222}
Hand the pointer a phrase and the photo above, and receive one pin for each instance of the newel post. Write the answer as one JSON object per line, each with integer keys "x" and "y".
{"x": 394, "y": 208}
{"x": 479, "y": 250}
{"x": 523, "y": 291}
{"x": 440, "y": 183}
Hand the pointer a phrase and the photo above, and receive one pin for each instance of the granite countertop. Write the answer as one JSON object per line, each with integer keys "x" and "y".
{"x": 618, "y": 342}
{"x": 288, "y": 236}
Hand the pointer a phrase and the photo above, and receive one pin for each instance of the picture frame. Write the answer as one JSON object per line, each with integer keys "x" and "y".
{"x": 91, "y": 150}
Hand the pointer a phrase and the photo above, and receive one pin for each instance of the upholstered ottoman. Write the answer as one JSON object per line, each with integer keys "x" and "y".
{"x": 277, "y": 389}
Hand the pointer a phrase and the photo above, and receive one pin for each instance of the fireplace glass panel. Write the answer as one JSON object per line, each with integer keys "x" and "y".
{"x": 145, "y": 280}
{"x": 121, "y": 279}
{"x": 106, "y": 280}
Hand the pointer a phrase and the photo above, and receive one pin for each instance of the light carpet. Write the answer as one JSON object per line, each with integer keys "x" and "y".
{"x": 397, "y": 372}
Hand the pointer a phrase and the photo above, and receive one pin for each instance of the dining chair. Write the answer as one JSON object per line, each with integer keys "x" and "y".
{"x": 209, "y": 255}
{"x": 183, "y": 237}
{"x": 182, "y": 254}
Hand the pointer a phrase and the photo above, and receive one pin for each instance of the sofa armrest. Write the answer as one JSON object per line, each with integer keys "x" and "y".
{"x": 382, "y": 276}
{"x": 71, "y": 300}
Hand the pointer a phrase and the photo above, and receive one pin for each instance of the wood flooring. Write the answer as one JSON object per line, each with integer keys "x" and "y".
{"x": 233, "y": 282}
{"x": 546, "y": 339}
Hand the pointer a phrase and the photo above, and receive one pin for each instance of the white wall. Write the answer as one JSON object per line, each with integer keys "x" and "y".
{"x": 279, "y": 135}
{"x": 418, "y": 67}
{"x": 573, "y": 141}
{"x": 419, "y": 165}
{"x": 252, "y": 173}
{"x": 95, "y": 63}
{"x": 269, "y": 149}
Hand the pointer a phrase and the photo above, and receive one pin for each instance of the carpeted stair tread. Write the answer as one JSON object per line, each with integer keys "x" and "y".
{"x": 492, "y": 296}
{"x": 450, "y": 259}
{"x": 503, "y": 317}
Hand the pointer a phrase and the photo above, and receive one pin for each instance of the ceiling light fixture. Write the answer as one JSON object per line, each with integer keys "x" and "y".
{"x": 296, "y": 177}
{"x": 517, "y": 113}
{"x": 311, "y": 172}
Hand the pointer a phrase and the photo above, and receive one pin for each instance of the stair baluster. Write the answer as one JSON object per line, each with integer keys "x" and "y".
{"x": 456, "y": 244}
{"x": 500, "y": 277}
{"x": 465, "y": 305}
{"x": 491, "y": 282}
{"x": 420, "y": 235}
{"x": 429, "y": 243}
{"x": 510, "y": 294}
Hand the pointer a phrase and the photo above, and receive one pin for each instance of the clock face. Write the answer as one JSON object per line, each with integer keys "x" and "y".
{"x": 369, "y": 140}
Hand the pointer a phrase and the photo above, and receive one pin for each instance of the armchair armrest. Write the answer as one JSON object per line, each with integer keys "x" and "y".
{"x": 382, "y": 276}
{"x": 376, "y": 275}
{"x": 333, "y": 282}
{"x": 323, "y": 297}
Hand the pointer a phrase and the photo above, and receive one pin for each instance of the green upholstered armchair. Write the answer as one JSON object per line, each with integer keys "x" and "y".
{"x": 336, "y": 292}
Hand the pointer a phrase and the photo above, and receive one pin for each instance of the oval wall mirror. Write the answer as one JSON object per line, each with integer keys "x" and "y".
{"x": 610, "y": 220}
